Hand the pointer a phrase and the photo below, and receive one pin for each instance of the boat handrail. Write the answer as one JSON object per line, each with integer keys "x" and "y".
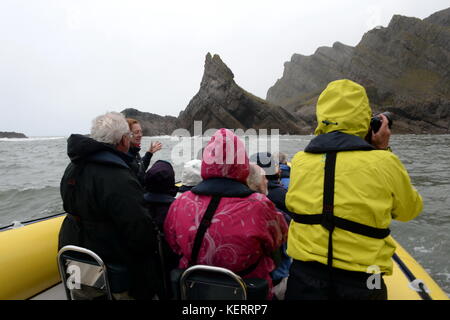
{"x": 27, "y": 222}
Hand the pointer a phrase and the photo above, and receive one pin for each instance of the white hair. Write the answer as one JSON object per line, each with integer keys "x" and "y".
{"x": 254, "y": 177}
{"x": 109, "y": 128}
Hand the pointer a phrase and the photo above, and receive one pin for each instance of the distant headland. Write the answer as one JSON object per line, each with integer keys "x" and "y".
{"x": 12, "y": 135}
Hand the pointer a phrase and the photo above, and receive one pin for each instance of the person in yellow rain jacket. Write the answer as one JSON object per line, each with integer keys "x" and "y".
{"x": 344, "y": 192}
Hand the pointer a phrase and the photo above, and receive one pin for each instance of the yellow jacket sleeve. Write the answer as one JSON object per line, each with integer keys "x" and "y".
{"x": 407, "y": 202}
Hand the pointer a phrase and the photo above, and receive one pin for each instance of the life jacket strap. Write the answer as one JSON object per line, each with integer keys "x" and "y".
{"x": 204, "y": 225}
{"x": 341, "y": 223}
{"x": 327, "y": 219}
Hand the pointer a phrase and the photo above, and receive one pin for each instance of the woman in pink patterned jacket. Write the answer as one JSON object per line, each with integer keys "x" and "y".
{"x": 246, "y": 227}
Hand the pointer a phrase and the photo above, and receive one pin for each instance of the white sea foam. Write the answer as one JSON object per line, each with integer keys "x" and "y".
{"x": 422, "y": 249}
{"x": 444, "y": 274}
{"x": 30, "y": 139}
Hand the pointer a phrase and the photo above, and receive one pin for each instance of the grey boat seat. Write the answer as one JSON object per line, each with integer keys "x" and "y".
{"x": 85, "y": 276}
{"x": 202, "y": 282}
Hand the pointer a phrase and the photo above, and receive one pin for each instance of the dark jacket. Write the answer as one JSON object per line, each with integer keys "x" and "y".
{"x": 106, "y": 211}
{"x": 184, "y": 189}
{"x": 161, "y": 190}
{"x": 160, "y": 184}
{"x": 140, "y": 165}
{"x": 277, "y": 194}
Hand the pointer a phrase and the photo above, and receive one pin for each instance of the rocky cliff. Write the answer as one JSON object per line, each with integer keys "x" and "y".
{"x": 404, "y": 67}
{"x": 153, "y": 124}
{"x": 221, "y": 103}
{"x": 12, "y": 135}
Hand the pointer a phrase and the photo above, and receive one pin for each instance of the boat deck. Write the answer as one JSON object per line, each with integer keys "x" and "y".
{"x": 55, "y": 293}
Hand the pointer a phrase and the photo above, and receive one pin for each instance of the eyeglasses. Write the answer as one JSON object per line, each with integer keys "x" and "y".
{"x": 129, "y": 134}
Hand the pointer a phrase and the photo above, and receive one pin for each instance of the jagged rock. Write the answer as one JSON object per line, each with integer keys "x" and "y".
{"x": 12, "y": 135}
{"x": 441, "y": 18}
{"x": 221, "y": 103}
{"x": 404, "y": 68}
{"x": 152, "y": 124}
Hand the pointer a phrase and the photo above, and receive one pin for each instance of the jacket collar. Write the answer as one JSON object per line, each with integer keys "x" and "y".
{"x": 158, "y": 198}
{"x": 272, "y": 184}
{"x": 337, "y": 141}
{"x": 184, "y": 188}
{"x": 222, "y": 187}
{"x": 107, "y": 157}
{"x": 134, "y": 150}
{"x": 85, "y": 149}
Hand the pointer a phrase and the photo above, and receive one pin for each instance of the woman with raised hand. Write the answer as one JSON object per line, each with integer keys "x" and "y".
{"x": 141, "y": 164}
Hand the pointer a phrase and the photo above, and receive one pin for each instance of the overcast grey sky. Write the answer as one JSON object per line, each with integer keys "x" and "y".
{"x": 63, "y": 62}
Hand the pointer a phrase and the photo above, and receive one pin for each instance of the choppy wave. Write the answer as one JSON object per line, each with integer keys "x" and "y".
{"x": 28, "y": 203}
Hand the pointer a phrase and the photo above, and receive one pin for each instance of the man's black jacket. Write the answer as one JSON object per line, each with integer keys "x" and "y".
{"x": 107, "y": 214}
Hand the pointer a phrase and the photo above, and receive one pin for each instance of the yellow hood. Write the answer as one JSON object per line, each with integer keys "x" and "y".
{"x": 343, "y": 106}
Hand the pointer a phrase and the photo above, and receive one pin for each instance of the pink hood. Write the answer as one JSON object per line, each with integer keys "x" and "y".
{"x": 225, "y": 157}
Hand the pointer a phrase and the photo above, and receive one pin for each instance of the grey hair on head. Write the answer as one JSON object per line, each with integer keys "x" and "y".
{"x": 109, "y": 128}
{"x": 254, "y": 177}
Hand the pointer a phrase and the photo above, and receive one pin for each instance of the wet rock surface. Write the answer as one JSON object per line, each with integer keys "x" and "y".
{"x": 404, "y": 68}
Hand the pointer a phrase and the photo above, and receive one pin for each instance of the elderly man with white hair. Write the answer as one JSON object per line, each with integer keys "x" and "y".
{"x": 104, "y": 202}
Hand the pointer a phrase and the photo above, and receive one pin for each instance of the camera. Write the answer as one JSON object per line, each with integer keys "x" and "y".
{"x": 375, "y": 122}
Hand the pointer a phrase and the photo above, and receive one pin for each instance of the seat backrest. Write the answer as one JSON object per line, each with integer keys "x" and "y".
{"x": 83, "y": 274}
{"x": 201, "y": 282}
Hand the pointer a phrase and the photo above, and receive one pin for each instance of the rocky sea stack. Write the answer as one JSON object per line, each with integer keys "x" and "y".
{"x": 404, "y": 68}
{"x": 11, "y": 135}
{"x": 221, "y": 103}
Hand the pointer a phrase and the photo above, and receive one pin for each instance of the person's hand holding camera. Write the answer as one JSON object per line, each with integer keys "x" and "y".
{"x": 380, "y": 139}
